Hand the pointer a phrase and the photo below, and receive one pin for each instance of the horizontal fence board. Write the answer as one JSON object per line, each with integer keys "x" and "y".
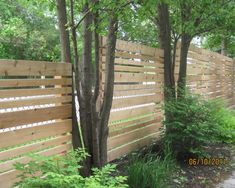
{"x": 136, "y": 86}
{"x": 133, "y": 125}
{"x": 34, "y": 82}
{"x": 118, "y": 152}
{"x": 35, "y": 101}
{"x": 26, "y": 135}
{"x": 122, "y": 68}
{"x": 34, "y": 68}
{"x": 130, "y": 113}
{"x": 135, "y": 77}
{"x": 132, "y": 62}
{"x": 34, "y": 92}
{"x": 7, "y": 179}
{"x": 127, "y": 137}
{"x": 120, "y": 124}
{"x": 131, "y": 101}
{"x": 8, "y": 165}
{"x": 145, "y": 92}
{"x": 6, "y": 154}
{"x": 11, "y": 119}
{"x": 137, "y": 48}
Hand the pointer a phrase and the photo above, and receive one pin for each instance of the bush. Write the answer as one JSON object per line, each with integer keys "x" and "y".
{"x": 62, "y": 172}
{"x": 225, "y": 122}
{"x": 150, "y": 171}
{"x": 195, "y": 123}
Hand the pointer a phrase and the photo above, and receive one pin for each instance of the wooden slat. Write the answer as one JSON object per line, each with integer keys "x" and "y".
{"x": 34, "y": 82}
{"x": 34, "y": 92}
{"x": 135, "y": 77}
{"x": 6, "y": 154}
{"x": 11, "y": 138}
{"x": 122, "y": 68}
{"x": 129, "y": 128}
{"x": 136, "y": 92}
{"x": 131, "y": 101}
{"x": 35, "y": 101}
{"x": 118, "y": 152}
{"x": 7, "y": 179}
{"x": 156, "y": 63}
{"x": 34, "y": 68}
{"x": 131, "y": 136}
{"x": 136, "y": 86}
{"x": 119, "y": 125}
{"x": 135, "y": 47}
{"x": 8, "y": 165}
{"x": 130, "y": 113}
{"x": 11, "y": 119}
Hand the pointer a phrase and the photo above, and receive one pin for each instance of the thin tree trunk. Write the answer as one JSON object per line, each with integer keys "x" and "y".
{"x": 64, "y": 34}
{"x": 223, "y": 45}
{"x": 165, "y": 44}
{"x": 185, "y": 43}
{"x": 95, "y": 108}
{"x": 86, "y": 120}
{"x": 108, "y": 87}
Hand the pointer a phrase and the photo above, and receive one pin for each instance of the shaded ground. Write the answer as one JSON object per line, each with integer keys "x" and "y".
{"x": 229, "y": 179}
{"x": 219, "y": 172}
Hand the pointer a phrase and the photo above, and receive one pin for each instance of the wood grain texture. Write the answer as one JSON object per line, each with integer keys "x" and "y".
{"x": 34, "y": 68}
{"x": 26, "y": 135}
{"x": 12, "y": 119}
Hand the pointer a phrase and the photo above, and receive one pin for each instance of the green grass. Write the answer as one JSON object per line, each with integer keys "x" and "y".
{"x": 151, "y": 171}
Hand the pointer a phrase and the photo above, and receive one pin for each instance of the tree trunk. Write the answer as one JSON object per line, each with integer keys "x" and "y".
{"x": 165, "y": 44}
{"x": 185, "y": 43}
{"x": 64, "y": 34}
{"x": 94, "y": 118}
{"x": 223, "y": 45}
{"x": 108, "y": 87}
{"x": 86, "y": 118}
{"x": 95, "y": 100}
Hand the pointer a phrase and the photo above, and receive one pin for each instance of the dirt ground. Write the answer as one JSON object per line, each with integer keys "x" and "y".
{"x": 195, "y": 173}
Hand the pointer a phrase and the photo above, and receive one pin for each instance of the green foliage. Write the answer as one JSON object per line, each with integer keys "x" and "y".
{"x": 151, "y": 171}
{"x": 195, "y": 122}
{"x": 214, "y": 41}
{"x": 62, "y": 171}
{"x": 28, "y": 31}
{"x": 224, "y": 119}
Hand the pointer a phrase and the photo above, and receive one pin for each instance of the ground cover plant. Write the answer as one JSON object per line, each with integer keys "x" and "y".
{"x": 63, "y": 171}
{"x": 151, "y": 170}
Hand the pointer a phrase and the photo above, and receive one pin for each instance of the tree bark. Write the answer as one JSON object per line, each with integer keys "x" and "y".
{"x": 185, "y": 43}
{"x": 165, "y": 44}
{"x": 64, "y": 34}
{"x": 223, "y": 45}
{"x": 86, "y": 110}
{"x": 96, "y": 93}
{"x": 108, "y": 87}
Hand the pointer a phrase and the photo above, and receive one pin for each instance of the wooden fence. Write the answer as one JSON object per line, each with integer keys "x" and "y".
{"x": 136, "y": 110}
{"x": 210, "y": 74}
{"x": 138, "y": 90}
{"x": 35, "y": 112}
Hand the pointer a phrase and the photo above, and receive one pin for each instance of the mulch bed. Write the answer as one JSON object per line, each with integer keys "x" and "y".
{"x": 192, "y": 172}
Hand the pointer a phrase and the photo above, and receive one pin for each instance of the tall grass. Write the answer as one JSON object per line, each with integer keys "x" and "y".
{"x": 151, "y": 171}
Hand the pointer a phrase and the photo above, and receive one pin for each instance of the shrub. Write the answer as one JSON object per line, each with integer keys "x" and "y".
{"x": 150, "y": 171}
{"x": 195, "y": 123}
{"x": 62, "y": 172}
{"x": 225, "y": 122}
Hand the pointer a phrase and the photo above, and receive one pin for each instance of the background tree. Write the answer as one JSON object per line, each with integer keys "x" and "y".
{"x": 28, "y": 31}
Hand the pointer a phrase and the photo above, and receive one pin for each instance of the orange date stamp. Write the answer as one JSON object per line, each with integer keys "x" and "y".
{"x": 207, "y": 161}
